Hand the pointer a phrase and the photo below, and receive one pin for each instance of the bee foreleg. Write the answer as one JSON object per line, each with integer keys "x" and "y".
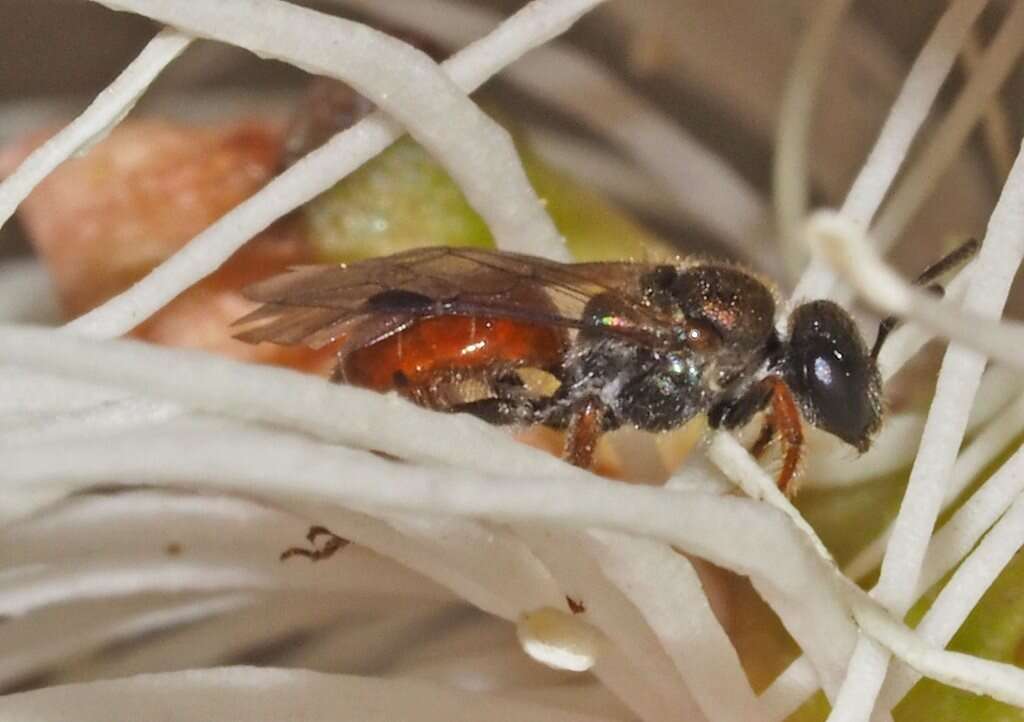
{"x": 783, "y": 419}
{"x": 737, "y": 412}
{"x": 768, "y": 432}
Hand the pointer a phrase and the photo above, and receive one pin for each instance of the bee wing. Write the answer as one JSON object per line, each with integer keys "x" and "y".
{"x": 313, "y": 305}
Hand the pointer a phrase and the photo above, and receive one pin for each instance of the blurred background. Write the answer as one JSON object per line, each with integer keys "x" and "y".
{"x": 689, "y": 155}
{"x": 715, "y": 69}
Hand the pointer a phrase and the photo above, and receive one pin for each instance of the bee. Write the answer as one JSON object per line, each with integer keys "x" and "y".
{"x": 622, "y": 343}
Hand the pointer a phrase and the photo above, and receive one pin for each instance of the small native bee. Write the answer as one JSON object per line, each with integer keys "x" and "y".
{"x": 650, "y": 345}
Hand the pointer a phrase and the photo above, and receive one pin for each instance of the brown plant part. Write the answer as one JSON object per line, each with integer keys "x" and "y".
{"x": 328, "y": 107}
{"x": 200, "y": 318}
{"x": 102, "y": 221}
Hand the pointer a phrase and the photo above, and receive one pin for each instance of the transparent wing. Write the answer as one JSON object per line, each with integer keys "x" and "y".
{"x": 316, "y": 304}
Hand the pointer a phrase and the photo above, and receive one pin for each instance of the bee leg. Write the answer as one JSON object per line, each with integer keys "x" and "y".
{"x": 585, "y": 428}
{"x": 783, "y": 419}
{"x": 735, "y": 413}
{"x": 332, "y": 545}
{"x": 500, "y": 412}
{"x": 768, "y": 432}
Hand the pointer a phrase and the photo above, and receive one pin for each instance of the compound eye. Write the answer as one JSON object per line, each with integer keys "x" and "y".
{"x": 832, "y": 374}
{"x": 831, "y": 381}
{"x": 701, "y": 335}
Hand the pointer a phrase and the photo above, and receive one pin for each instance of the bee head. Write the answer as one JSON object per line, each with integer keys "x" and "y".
{"x": 832, "y": 374}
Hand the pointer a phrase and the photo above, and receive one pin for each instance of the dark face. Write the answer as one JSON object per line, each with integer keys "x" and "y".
{"x": 831, "y": 373}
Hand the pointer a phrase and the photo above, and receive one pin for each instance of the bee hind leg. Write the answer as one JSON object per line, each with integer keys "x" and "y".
{"x": 585, "y": 427}
{"x": 768, "y": 432}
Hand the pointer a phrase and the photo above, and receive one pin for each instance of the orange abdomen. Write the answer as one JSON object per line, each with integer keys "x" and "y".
{"x": 413, "y": 356}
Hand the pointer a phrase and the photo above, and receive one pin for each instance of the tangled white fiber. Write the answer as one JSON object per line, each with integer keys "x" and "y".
{"x": 448, "y": 515}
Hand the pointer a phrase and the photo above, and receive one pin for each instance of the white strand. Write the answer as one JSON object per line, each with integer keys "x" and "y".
{"x": 322, "y": 168}
{"x": 896, "y": 444}
{"x": 660, "y": 582}
{"x": 211, "y": 641}
{"x": 695, "y": 522}
{"x": 586, "y": 698}
{"x": 959, "y": 535}
{"x": 476, "y": 633}
{"x": 194, "y": 105}
{"x": 503, "y": 669}
{"x": 706, "y": 186}
{"x": 961, "y": 594}
{"x": 280, "y": 397}
{"x": 259, "y": 694}
{"x": 200, "y": 527}
{"x": 789, "y": 173}
{"x": 860, "y": 689}
{"x": 908, "y": 113}
{"x": 367, "y": 644}
{"x": 91, "y": 419}
{"x": 1000, "y": 257}
{"x": 208, "y": 532}
{"x": 485, "y": 565}
{"x": 948, "y": 546}
{"x": 499, "y": 668}
{"x": 64, "y": 632}
{"x": 23, "y": 589}
{"x": 109, "y": 108}
{"x": 631, "y": 689}
{"x": 490, "y": 571}
{"x": 850, "y": 252}
{"x": 1004, "y": 682}
{"x": 570, "y": 555}
{"x": 991, "y": 71}
{"x": 906, "y": 341}
{"x": 926, "y": 76}
{"x": 978, "y": 454}
{"x": 26, "y": 293}
{"x": 739, "y": 466}
{"x": 33, "y": 396}
{"x": 789, "y": 690}
{"x": 402, "y": 81}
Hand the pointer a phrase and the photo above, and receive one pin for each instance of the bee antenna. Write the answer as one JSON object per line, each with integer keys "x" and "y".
{"x": 951, "y": 261}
